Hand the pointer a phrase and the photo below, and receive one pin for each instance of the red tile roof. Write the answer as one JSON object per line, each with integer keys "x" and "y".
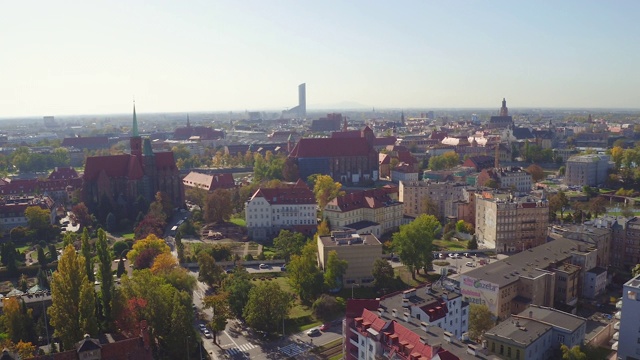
{"x": 372, "y": 199}
{"x": 355, "y": 307}
{"x": 209, "y": 182}
{"x": 125, "y": 165}
{"x": 297, "y": 193}
{"x": 436, "y": 310}
{"x": 63, "y": 173}
{"x": 331, "y": 147}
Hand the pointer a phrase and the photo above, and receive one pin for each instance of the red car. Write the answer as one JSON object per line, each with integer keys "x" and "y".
{"x": 325, "y": 327}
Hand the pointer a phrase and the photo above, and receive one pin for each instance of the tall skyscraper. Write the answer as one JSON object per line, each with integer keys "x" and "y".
{"x": 302, "y": 100}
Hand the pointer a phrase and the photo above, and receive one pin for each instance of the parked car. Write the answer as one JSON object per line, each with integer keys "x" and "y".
{"x": 202, "y": 327}
{"x": 470, "y": 264}
{"x": 263, "y": 266}
{"x": 313, "y": 332}
{"x": 467, "y": 255}
{"x": 441, "y": 256}
{"x": 207, "y": 334}
{"x": 325, "y": 327}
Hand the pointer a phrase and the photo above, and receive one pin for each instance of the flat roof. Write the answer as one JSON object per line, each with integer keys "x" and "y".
{"x": 557, "y": 318}
{"x": 521, "y": 332}
{"x": 528, "y": 263}
{"x": 359, "y": 240}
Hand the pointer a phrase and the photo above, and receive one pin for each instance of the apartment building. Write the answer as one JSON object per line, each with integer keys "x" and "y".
{"x": 590, "y": 170}
{"x": 419, "y": 323}
{"x": 535, "y": 334}
{"x": 511, "y": 177}
{"x": 446, "y": 195}
{"x": 628, "y": 344}
{"x": 359, "y": 251}
{"x": 366, "y": 212}
{"x": 510, "y": 224}
{"x": 625, "y": 244}
{"x": 270, "y": 210}
{"x": 530, "y": 277}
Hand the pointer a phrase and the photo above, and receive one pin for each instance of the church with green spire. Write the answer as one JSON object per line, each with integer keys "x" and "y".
{"x": 119, "y": 182}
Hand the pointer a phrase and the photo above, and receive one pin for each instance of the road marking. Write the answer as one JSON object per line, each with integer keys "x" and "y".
{"x": 240, "y": 349}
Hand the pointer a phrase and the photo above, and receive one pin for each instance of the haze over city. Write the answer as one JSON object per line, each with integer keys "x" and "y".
{"x": 66, "y": 57}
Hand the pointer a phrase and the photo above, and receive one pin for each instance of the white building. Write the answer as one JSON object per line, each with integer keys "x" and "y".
{"x": 445, "y": 195}
{"x": 271, "y": 210}
{"x": 628, "y": 345}
{"x": 595, "y": 282}
{"x": 590, "y": 170}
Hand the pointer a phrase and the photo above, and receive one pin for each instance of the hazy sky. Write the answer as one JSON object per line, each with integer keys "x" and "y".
{"x": 89, "y": 57}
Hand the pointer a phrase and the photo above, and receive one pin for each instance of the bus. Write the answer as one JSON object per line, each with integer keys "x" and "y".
{"x": 173, "y": 230}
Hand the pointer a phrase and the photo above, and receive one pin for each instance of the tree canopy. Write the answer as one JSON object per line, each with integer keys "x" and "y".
{"x": 217, "y": 207}
{"x": 150, "y": 242}
{"x": 334, "y": 270}
{"x": 305, "y": 277}
{"x": 325, "y": 189}
{"x": 268, "y": 305}
{"x": 480, "y": 320}
{"x": 413, "y": 242}
{"x": 289, "y": 243}
{"x": 445, "y": 161}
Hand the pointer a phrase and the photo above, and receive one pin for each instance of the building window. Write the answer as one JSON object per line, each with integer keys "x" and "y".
{"x": 561, "y": 338}
{"x": 501, "y": 349}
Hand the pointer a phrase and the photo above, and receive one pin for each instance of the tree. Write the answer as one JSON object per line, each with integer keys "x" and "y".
{"x": 179, "y": 246}
{"x": 334, "y": 271}
{"x": 473, "y": 243}
{"x": 163, "y": 264}
{"x": 150, "y": 242}
{"x": 326, "y": 307}
{"x": 288, "y": 243}
{"x": 290, "y": 170}
{"x": 72, "y": 312}
{"x": 268, "y": 304}
{"x": 464, "y": 227}
{"x": 305, "y": 277}
{"x": 636, "y": 270}
{"x": 110, "y": 222}
{"x": 196, "y": 195}
{"x": 617, "y": 154}
{"x": 82, "y": 215}
{"x": 42, "y": 258}
{"x": 238, "y": 285}
{"x": 16, "y": 321}
{"x": 37, "y": 217}
{"x": 536, "y": 172}
{"x": 413, "y": 242}
{"x": 445, "y": 161}
{"x": 121, "y": 269}
{"x": 324, "y": 228}
{"x": 180, "y": 326}
{"x": 119, "y": 247}
{"x": 558, "y": 202}
{"x": 480, "y": 320}
{"x": 221, "y": 312}
{"x": 383, "y": 275}
{"x": 218, "y": 207}
{"x": 210, "y": 272}
{"x": 150, "y": 225}
{"x": 430, "y": 207}
{"x": 597, "y": 206}
{"x": 491, "y": 183}
{"x": 572, "y": 354}
{"x": 86, "y": 252}
{"x": 325, "y": 189}
{"x": 104, "y": 273}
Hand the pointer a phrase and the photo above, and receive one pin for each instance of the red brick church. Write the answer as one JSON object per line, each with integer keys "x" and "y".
{"x": 121, "y": 179}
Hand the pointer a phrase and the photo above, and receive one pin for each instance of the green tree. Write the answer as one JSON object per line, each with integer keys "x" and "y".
{"x": 218, "y": 207}
{"x": 119, "y": 248}
{"x": 42, "y": 258}
{"x": 210, "y": 272}
{"x": 268, "y": 305}
{"x": 413, "y": 243}
{"x": 597, "y": 206}
{"x": 617, "y": 154}
{"x": 150, "y": 242}
{"x": 72, "y": 312}
{"x": 334, "y": 270}
{"x": 305, "y": 277}
{"x": 16, "y": 320}
{"x": 179, "y": 247}
{"x": 480, "y": 320}
{"x": 86, "y": 252}
{"x": 105, "y": 276}
{"x": 288, "y": 243}
{"x": 325, "y": 189}
{"x": 219, "y": 303}
{"x": 574, "y": 353}
{"x": 326, "y": 308}
{"x": 430, "y": 207}
{"x": 37, "y": 218}
{"x": 238, "y": 285}
{"x": 558, "y": 202}
{"x": 383, "y": 276}
{"x": 180, "y": 325}
{"x": 473, "y": 243}
{"x": 110, "y": 222}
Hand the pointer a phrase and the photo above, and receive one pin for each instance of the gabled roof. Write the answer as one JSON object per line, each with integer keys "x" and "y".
{"x": 372, "y": 199}
{"x": 297, "y": 193}
{"x": 209, "y": 182}
{"x": 522, "y": 133}
{"x": 331, "y": 147}
{"x": 113, "y": 165}
{"x": 63, "y": 173}
{"x": 88, "y": 344}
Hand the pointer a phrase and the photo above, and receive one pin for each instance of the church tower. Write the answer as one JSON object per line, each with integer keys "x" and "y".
{"x": 135, "y": 142}
{"x": 150, "y": 178}
{"x": 504, "y": 111}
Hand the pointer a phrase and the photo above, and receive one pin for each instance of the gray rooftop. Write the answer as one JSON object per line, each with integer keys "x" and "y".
{"x": 350, "y": 240}
{"x": 521, "y": 332}
{"x": 557, "y": 318}
{"x": 528, "y": 263}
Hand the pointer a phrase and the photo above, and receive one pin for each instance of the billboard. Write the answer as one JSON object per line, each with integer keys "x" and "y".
{"x": 478, "y": 291}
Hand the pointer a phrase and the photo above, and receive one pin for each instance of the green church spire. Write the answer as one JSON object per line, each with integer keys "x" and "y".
{"x": 135, "y": 122}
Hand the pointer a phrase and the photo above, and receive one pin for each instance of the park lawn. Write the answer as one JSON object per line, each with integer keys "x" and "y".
{"x": 451, "y": 244}
{"x": 130, "y": 236}
{"x": 406, "y": 278}
{"x": 238, "y": 221}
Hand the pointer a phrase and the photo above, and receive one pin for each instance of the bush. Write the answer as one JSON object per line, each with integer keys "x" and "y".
{"x": 326, "y": 307}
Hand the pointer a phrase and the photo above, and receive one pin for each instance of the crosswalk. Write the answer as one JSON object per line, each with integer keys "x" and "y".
{"x": 240, "y": 348}
{"x": 294, "y": 349}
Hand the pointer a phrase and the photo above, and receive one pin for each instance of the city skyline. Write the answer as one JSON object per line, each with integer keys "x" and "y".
{"x": 74, "y": 58}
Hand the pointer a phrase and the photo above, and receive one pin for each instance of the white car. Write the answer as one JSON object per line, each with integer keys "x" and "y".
{"x": 313, "y": 332}
{"x": 202, "y": 327}
{"x": 470, "y": 264}
{"x": 207, "y": 334}
{"x": 264, "y": 266}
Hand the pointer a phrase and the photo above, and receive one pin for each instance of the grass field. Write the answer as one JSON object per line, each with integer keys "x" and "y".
{"x": 238, "y": 221}
{"x": 450, "y": 244}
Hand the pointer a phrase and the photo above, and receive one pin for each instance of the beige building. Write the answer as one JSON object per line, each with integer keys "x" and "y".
{"x": 511, "y": 224}
{"x": 360, "y": 251}
{"x": 445, "y": 195}
{"x": 547, "y": 275}
{"x": 366, "y": 212}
